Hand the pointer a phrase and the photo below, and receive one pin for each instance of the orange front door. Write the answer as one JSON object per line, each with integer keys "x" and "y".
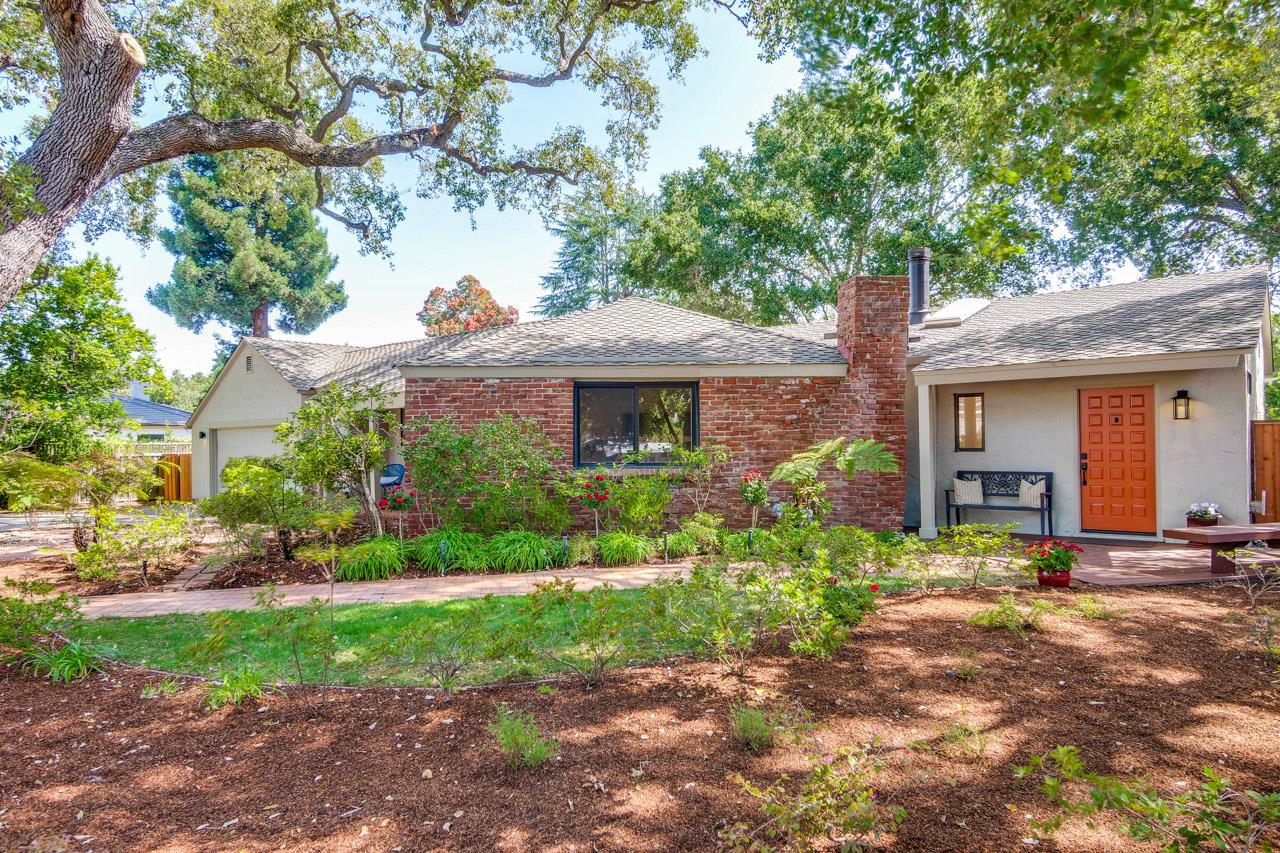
{"x": 1117, "y": 444}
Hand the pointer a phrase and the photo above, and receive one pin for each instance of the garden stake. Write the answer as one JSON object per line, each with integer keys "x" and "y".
{"x": 564, "y": 548}
{"x": 443, "y": 550}
{"x": 666, "y": 558}
{"x": 751, "y": 548}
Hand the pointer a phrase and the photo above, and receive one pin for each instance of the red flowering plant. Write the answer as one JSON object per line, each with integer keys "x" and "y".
{"x": 592, "y": 490}
{"x": 1049, "y": 556}
{"x": 754, "y": 489}
{"x": 401, "y": 500}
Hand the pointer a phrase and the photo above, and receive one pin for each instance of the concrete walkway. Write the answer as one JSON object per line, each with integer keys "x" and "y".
{"x": 368, "y": 592}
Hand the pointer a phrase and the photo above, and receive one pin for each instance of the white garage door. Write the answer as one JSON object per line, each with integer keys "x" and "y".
{"x": 248, "y": 441}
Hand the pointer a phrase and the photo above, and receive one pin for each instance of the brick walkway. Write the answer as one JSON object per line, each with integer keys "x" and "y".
{"x": 369, "y": 592}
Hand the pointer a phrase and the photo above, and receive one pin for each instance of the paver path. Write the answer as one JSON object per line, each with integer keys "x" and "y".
{"x": 368, "y": 592}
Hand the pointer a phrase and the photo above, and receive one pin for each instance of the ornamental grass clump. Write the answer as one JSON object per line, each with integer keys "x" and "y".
{"x": 64, "y": 663}
{"x": 680, "y": 545}
{"x": 1007, "y": 615}
{"x": 752, "y": 726}
{"x": 624, "y": 549}
{"x": 447, "y": 548}
{"x": 522, "y": 743}
{"x": 375, "y": 560}
{"x": 519, "y": 551}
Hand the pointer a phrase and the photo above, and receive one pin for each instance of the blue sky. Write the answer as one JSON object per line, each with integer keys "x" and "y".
{"x": 719, "y": 95}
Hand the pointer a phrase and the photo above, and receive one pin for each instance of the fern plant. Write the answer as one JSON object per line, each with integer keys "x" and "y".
{"x": 65, "y": 663}
{"x": 375, "y": 560}
{"x": 623, "y": 549}
{"x": 446, "y": 549}
{"x": 519, "y": 551}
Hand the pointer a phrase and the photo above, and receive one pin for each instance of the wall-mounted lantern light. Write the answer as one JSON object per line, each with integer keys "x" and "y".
{"x": 1182, "y": 405}
{"x": 202, "y": 433}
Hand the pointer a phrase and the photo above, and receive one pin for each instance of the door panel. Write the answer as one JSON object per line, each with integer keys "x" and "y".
{"x": 1117, "y": 441}
{"x": 245, "y": 441}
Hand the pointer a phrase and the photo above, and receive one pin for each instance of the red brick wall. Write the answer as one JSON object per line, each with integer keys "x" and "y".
{"x": 763, "y": 420}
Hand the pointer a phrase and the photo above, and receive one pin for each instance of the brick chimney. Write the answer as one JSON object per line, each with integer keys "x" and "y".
{"x": 871, "y": 331}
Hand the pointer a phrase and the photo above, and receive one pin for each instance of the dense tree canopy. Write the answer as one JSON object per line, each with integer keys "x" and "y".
{"x": 590, "y": 266}
{"x": 832, "y": 187}
{"x": 182, "y": 390}
{"x": 465, "y": 307}
{"x": 65, "y": 345}
{"x": 248, "y": 245}
{"x": 333, "y": 86}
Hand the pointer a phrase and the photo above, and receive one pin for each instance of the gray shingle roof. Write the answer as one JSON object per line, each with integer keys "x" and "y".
{"x": 631, "y": 331}
{"x": 1178, "y": 314}
{"x": 303, "y": 364}
{"x": 151, "y": 412}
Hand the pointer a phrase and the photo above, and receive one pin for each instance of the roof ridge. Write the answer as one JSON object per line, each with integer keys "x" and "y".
{"x": 1264, "y": 268}
{"x": 739, "y": 323}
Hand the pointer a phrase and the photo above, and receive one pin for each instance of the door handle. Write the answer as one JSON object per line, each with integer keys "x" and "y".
{"x": 1084, "y": 473}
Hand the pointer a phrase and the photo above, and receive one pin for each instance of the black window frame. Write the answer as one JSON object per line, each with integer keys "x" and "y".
{"x": 982, "y": 422}
{"x": 635, "y": 411}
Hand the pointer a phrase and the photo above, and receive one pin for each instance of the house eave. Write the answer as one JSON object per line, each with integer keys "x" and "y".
{"x": 626, "y": 371}
{"x": 1081, "y": 367}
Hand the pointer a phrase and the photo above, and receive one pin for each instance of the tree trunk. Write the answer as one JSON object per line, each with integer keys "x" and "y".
{"x": 261, "y": 314}
{"x": 98, "y": 68}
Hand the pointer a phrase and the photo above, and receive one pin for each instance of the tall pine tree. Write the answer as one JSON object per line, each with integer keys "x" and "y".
{"x": 589, "y": 268}
{"x": 248, "y": 246}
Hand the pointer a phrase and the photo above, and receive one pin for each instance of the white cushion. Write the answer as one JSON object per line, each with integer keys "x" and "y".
{"x": 968, "y": 491}
{"x": 1029, "y": 495}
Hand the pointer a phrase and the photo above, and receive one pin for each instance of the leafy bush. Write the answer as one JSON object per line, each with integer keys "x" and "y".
{"x": 256, "y": 492}
{"x": 706, "y": 529}
{"x": 519, "y": 551}
{"x": 849, "y": 604}
{"x": 681, "y": 545}
{"x": 1007, "y": 615}
{"x": 64, "y": 663}
{"x": 752, "y": 726}
{"x": 374, "y": 560}
{"x": 438, "y": 650}
{"x": 304, "y": 631}
{"x": 973, "y": 547}
{"x": 492, "y": 477}
{"x": 583, "y": 549}
{"x": 640, "y": 501}
{"x": 708, "y": 608}
{"x": 748, "y": 544}
{"x": 234, "y": 687}
{"x": 624, "y": 549}
{"x": 462, "y": 550}
{"x": 837, "y": 802}
{"x": 520, "y": 740}
{"x": 1212, "y": 816}
{"x": 145, "y": 545}
{"x": 583, "y": 632}
{"x": 29, "y": 611}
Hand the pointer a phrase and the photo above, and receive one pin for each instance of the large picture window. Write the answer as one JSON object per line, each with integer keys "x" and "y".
{"x": 650, "y": 420}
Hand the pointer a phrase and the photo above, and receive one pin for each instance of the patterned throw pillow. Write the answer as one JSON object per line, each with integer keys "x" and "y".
{"x": 968, "y": 491}
{"x": 1029, "y": 495}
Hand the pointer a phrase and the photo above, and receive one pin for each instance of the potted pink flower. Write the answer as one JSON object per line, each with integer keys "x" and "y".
{"x": 1051, "y": 560}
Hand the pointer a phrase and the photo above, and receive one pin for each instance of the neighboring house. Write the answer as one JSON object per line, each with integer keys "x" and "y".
{"x": 156, "y": 421}
{"x": 1008, "y": 385}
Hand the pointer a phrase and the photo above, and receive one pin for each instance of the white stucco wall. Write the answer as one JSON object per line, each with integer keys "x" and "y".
{"x": 239, "y": 399}
{"x": 1033, "y": 425}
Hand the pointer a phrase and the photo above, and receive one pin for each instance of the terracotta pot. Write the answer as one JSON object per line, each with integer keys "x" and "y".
{"x": 1058, "y": 579}
{"x": 1201, "y": 522}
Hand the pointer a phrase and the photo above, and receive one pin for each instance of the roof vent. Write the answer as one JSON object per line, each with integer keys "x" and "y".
{"x": 248, "y": 364}
{"x": 955, "y": 313}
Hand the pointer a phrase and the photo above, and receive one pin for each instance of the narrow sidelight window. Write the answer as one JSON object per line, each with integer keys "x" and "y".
{"x": 644, "y": 421}
{"x": 970, "y": 429}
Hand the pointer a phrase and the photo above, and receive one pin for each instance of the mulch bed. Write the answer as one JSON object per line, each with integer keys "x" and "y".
{"x": 1160, "y": 692}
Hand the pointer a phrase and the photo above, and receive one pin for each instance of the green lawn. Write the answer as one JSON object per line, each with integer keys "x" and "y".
{"x": 159, "y": 641}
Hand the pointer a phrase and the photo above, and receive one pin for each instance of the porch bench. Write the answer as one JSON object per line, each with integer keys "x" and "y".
{"x": 1004, "y": 484}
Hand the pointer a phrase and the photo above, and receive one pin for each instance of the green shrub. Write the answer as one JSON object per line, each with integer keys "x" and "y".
{"x": 462, "y": 550}
{"x": 681, "y": 545}
{"x": 1009, "y": 616}
{"x": 440, "y": 650}
{"x": 143, "y": 546}
{"x": 624, "y": 549}
{"x": 255, "y": 492}
{"x": 752, "y": 727}
{"x": 30, "y": 611}
{"x": 736, "y": 545}
{"x": 583, "y": 549}
{"x": 373, "y": 560}
{"x": 233, "y": 687}
{"x": 640, "y": 502}
{"x": 520, "y": 740}
{"x": 63, "y": 663}
{"x": 706, "y": 529}
{"x": 583, "y": 632}
{"x": 519, "y": 551}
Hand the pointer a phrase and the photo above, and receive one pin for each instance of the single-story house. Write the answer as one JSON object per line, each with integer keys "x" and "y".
{"x": 156, "y": 421}
{"x": 1137, "y": 398}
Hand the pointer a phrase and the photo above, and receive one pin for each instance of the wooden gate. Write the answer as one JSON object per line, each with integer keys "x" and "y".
{"x": 1265, "y": 446}
{"x": 175, "y": 468}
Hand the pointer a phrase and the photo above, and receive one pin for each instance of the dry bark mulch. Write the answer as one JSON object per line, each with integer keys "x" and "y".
{"x": 1158, "y": 693}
